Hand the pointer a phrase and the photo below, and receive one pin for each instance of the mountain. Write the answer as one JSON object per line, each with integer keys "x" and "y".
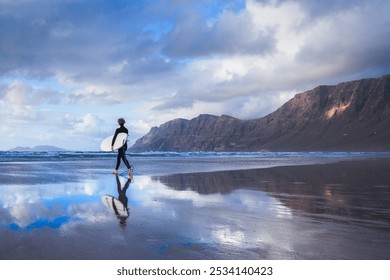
{"x": 40, "y": 148}
{"x": 350, "y": 116}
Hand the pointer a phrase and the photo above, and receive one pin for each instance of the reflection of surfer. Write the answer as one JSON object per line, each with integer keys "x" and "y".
{"x": 119, "y": 205}
{"x": 122, "y": 150}
{"x": 122, "y": 198}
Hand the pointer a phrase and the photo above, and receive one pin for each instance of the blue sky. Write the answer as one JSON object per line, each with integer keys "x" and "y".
{"x": 70, "y": 68}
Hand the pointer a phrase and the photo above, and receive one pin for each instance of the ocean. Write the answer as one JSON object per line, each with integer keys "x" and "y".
{"x": 153, "y": 163}
{"x": 68, "y": 205}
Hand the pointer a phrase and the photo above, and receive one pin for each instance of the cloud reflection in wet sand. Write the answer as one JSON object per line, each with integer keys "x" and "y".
{"x": 331, "y": 211}
{"x": 357, "y": 191}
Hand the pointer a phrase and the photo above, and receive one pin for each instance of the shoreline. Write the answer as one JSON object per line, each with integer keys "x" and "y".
{"x": 384, "y": 160}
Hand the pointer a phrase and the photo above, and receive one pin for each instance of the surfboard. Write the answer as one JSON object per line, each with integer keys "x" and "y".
{"x": 120, "y": 140}
{"x": 115, "y": 206}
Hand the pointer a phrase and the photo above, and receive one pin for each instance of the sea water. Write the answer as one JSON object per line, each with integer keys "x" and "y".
{"x": 155, "y": 163}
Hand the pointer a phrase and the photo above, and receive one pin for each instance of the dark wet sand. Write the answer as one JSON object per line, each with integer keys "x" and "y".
{"x": 349, "y": 191}
{"x": 326, "y": 211}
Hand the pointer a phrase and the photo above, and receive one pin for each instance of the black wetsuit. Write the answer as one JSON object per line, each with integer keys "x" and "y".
{"x": 122, "y": 150}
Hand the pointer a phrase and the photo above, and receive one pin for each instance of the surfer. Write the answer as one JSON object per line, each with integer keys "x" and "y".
{"x": 122, "y": 150}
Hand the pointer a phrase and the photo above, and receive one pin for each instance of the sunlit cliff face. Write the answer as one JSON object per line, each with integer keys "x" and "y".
{"x": 336, "y": 109}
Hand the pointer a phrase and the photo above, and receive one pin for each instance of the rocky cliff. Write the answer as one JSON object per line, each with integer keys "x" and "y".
{"x": 345, "y": 117}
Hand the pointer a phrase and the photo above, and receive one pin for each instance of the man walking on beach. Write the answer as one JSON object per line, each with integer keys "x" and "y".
{"x": 122, "y": 150}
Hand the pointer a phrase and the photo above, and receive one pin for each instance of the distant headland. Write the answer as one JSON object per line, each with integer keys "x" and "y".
{"x": 40, "y": 148}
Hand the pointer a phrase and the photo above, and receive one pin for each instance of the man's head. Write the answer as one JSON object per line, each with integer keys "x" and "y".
{"x": 121, "y": 121}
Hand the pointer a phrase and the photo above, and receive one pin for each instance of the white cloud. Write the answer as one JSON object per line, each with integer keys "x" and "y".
{"x": 140, "y": 126}
{"x": 155, "y": 63}
{"x": 233, "y": 33}
{"x": 89, "y": 124}
{"x": 19, "y": 92}
{"x": 309, "y": 51}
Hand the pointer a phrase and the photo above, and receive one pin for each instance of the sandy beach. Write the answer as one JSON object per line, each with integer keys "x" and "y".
{"x": 76, "y": 209}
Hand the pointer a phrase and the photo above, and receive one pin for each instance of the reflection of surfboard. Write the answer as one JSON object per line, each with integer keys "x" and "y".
{"x": 119, "y": 142}
{"x": 115, "y": 206}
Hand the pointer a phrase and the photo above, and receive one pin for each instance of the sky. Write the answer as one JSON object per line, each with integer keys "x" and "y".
{"x": 70, "y": 68}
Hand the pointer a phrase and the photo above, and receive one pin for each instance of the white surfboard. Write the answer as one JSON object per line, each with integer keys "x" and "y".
{"x": 115, "y": 206}
{"x": 120, "y": 140}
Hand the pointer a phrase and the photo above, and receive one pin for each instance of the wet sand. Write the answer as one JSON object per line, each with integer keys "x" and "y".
{"x": 335, "y": 210}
